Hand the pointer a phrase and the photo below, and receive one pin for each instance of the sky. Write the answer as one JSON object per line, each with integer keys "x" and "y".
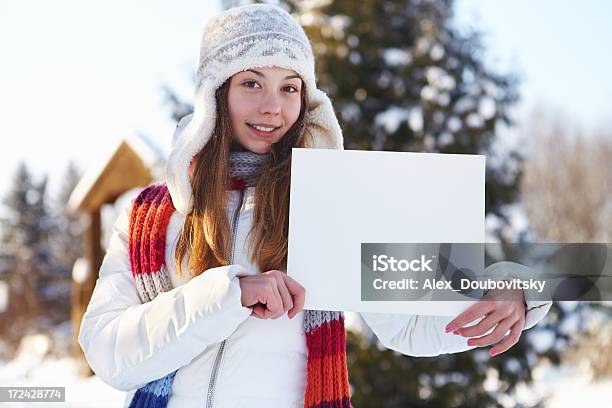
{"x": 560, "y": 49}
{"x": 77, "y": 77}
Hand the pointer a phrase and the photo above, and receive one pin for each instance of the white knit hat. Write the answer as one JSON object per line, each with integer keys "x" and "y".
{"x": 241, "y": 38}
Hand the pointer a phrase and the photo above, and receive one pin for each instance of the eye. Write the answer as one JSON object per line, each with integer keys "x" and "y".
{"x": 295, "y": 89}
{"x": 250, "y": 82}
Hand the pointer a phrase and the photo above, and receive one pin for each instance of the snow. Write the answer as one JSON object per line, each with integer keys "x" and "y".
{"x": 512, "y": 364}
{"x": 445, "y": 139}
{"x": 148, "y": 152}
{"x": 428, "y": 93}
{"x": 339, "y": 23}
{"x": 307, "y": 19}
{"x": 518, "y": 218}
{"x": 443, "y": 99}
{"x": 88, "y": 392}
{"x": 518, "y": 224}
{"x": 492, "y": 224}
{"x": 352, "y": 40}
{"x": 429, "y": 143}
{"x": 351, "y": 112}
{"x": 454, "y": 124}
{"x": 355, "y": 57}
{"x": 439, "y": 79}
{"x": 541, "y": 340}
{"x": 80, "y": 270}
{"x": 34, "y": 367}
{"x": 4, "y": 296}
{"x": 395, "y": 57}
{"x": 487, "y": 107}
{"x": 490, "y": 88}
{"x": 415, "y": 119}
{"x": 423, "y": 44}
{"x": 568, "y": 386}
{"x": 392, "y": 118}
{"x": 438, "y": 117}
{"x": 384, "y": 79}
{"x": 437, "y": 52}
{"x": 474, "y": 120}
{"x": 464, "y": 104}
{"x": 565, "y": 386}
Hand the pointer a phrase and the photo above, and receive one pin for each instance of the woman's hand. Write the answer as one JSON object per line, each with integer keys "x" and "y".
{"x": 271, "y": 294}
{"x": 503, "y": 310}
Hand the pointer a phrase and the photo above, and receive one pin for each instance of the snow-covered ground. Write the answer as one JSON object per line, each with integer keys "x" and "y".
{"x": 88, "y": 392}
{"x": 35, "y": 367}
{"x": 567, "y": 386}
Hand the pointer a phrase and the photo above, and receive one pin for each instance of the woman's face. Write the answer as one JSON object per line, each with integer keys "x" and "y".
{"x": 268, "y": 97}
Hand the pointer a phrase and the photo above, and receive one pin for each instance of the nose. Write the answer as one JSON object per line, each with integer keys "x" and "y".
{"x": 270, "y": 104}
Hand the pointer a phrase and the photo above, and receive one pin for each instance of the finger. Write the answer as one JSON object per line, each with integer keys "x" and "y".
{"x": 259, "y": 311}
{"x": 298, "y": 293}
{"x": 482, "y": 327}
{"x": 510, "y": 340}
{"x": 272, "y": 299}
{"x": 271, "y": 309}
{"x": 279, "y": 308}
{"x": 496, "y": 335}
{"x": 475, "y": 311}
{"x": 284, "y": 291}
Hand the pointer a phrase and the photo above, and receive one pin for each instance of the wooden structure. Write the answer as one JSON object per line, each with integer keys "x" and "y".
{"x": 133, "y": 163}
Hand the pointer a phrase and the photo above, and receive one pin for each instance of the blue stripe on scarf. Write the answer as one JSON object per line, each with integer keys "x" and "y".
{"x": 155, "y": 394}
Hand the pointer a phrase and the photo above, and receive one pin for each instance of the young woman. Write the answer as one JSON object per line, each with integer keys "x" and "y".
{"x": 193, "y": 306}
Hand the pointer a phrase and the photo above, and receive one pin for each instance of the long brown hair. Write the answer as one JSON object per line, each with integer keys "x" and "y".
{"x": 206, "y": 235}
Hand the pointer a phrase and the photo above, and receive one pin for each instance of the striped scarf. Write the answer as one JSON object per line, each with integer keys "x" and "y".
{"x": 327, "y": 374}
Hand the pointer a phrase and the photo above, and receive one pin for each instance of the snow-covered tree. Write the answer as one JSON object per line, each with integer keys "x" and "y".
{"x": 68, "y": 243}
{"x": 40, "y": 241}
{"x": 25, "y": 235}
{"x": 402, "y": 77}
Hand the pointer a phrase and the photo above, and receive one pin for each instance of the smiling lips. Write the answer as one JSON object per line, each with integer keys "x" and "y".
{"x": 263, "y": 129}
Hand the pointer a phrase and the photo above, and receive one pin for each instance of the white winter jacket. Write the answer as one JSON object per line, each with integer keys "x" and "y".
{"x": 129, "y": 344}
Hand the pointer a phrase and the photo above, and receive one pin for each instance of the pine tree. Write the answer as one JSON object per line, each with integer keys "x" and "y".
{"x": 28, "y": 268}
{"x": 67, "y": 244}
{"x": 403, "y": 78}
{"x": 70, "y": 226}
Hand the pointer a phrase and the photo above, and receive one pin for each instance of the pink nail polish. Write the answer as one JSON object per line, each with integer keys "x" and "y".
{"x": 448, "y": 329}
{"x": 470, "y": 342}
{"x": 456, "y": 332}
{"x": 492, "y": 353}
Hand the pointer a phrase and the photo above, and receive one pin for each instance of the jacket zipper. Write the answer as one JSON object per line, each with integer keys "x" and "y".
{"x": 217, "y": 363}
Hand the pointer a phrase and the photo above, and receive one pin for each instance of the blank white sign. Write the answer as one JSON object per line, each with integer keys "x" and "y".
{"x": 341, "y": 198}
